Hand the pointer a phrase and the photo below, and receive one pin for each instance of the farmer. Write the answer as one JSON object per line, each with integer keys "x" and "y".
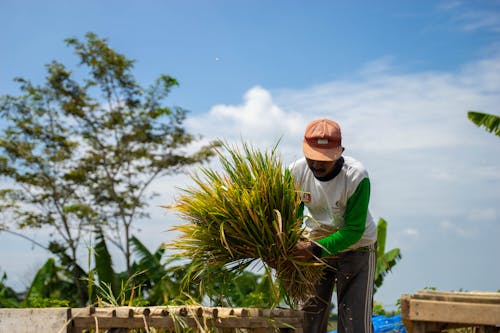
{"x": 336, "y": 191}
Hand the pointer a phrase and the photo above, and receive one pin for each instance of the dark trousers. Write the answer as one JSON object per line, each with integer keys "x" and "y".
{"x": 352, "y": 273}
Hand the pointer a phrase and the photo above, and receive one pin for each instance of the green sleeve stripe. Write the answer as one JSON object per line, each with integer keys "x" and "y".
{"x": 355, "y": 222}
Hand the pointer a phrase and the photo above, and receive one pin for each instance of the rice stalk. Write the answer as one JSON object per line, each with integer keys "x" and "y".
{"x": 246, "y": 212}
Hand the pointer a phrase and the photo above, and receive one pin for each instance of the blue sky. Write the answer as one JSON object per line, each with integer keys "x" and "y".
{"x": 399, "y": 76}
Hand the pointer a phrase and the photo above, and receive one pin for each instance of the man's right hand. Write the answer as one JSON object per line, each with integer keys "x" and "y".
{"x": 303, "y": 251}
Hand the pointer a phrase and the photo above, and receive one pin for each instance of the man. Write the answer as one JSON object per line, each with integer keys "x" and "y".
{"x": 336, "y": 191}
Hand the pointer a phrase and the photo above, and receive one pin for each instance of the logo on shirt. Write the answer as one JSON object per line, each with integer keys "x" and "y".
{"x": 306, "y": 197}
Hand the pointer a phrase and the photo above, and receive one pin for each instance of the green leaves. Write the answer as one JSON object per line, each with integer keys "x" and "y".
{"x": 8, "y": 296}
{"x": 47, "y": 287}
{"x": 385, "y": 260}
{"x": 490, "y": 122}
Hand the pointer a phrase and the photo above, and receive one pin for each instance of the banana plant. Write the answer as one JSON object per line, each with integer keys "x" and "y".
{"x": 51, "y": 286}
{"x": 489, "y": 121}
{"x": 385, "y": 260}
{"x": 103, "y": 270}
{"x": 9, "y": 298}
{"x": 152, "y": 273}
{"x": 150, "y": 281}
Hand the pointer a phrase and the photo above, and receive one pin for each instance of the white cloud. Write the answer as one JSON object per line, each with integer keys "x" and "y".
{"x": 403, "y": 112}
{"x": 469, "y": 18}
{"x": 449, "y": 5}
{"x": 483, "y": 215}
{"x": 412, "y": 232}
{"x": 458, "y": 229}
{"x": 475, "y": 20}
{"x": 258, "y": 119}
{"x": 377, "y": 66}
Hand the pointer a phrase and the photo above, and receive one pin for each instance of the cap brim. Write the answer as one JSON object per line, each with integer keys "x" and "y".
{"x": 321, "y": 154}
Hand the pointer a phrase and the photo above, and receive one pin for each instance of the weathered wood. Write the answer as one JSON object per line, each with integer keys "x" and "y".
{"x": 424, "y": 327}
{"x": 254, "y": 322}
{"x": 434, "y": 311}
{"x": 430, "y": 327}
{"x": 34, "y": 320}
{"x": 454, "y": 312}
{"x": 469, "y": 297}
{"x": 81, "y": 323}
{"x": 486, "y": 329}
{"x": 117, "y": 319}
{"x": 405, "y": 309}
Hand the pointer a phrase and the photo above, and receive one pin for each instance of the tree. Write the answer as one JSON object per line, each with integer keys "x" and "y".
{"x": 81, "y": 154}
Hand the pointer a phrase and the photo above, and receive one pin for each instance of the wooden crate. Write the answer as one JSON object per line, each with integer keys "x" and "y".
{"x": 169, "y": 318}
{"x": 435, "y": 311}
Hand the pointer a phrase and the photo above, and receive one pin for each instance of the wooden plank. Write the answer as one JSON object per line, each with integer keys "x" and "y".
{"x": 469, "y": 297}
{"x": 34, "y": 320}
{"x": 255, "y": 322}
{"x": 493, "y": 294}
{"x": 405, "y": 310}
{"x": 81, "y": 323}
{"x": 427, "y": 327}
{"x": 454, "y": 312}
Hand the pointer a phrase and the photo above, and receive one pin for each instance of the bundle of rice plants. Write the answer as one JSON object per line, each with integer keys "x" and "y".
{"x": 247, "y": 212}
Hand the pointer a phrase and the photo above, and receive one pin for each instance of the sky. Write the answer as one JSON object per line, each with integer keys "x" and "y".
{"x": 398, "y": 76}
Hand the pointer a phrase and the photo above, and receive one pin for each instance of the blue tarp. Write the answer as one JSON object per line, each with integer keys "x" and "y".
{"x": 383, "y": 324}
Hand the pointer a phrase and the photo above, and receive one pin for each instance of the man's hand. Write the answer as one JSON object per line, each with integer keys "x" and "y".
{"x": 303, "y": 251}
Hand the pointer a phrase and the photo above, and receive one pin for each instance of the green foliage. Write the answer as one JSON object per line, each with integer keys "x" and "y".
{"x": 220, "y": 286}
{"x": 8, "y": 297}
{"x": 83, "y": 152}
{"x": 151, "y": 282}
{"x": 104, "y": 264}
{"x": 385, "y": 260}
{"x": 154, "y": 273}
{"x": 252, "y": 290}
{"x": 43, "y": 302}
{"x": 127, "y": 295}
{"x": 490, "y": 122}
{"x": 379, "y": 310}
{"x": 145, "y": 285}
{"x": 51, "y": 286}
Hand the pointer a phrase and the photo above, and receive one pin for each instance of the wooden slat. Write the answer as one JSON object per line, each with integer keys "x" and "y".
{"x": 469, "y": 297}
{"x": 454, "y": 312}
{"x": 253, "y": 322}
{"x": 405, "y": 309}
{"x": 81, "y": 323}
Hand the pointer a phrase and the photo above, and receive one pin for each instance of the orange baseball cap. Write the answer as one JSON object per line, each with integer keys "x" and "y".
{"x": 322, "y": 141}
